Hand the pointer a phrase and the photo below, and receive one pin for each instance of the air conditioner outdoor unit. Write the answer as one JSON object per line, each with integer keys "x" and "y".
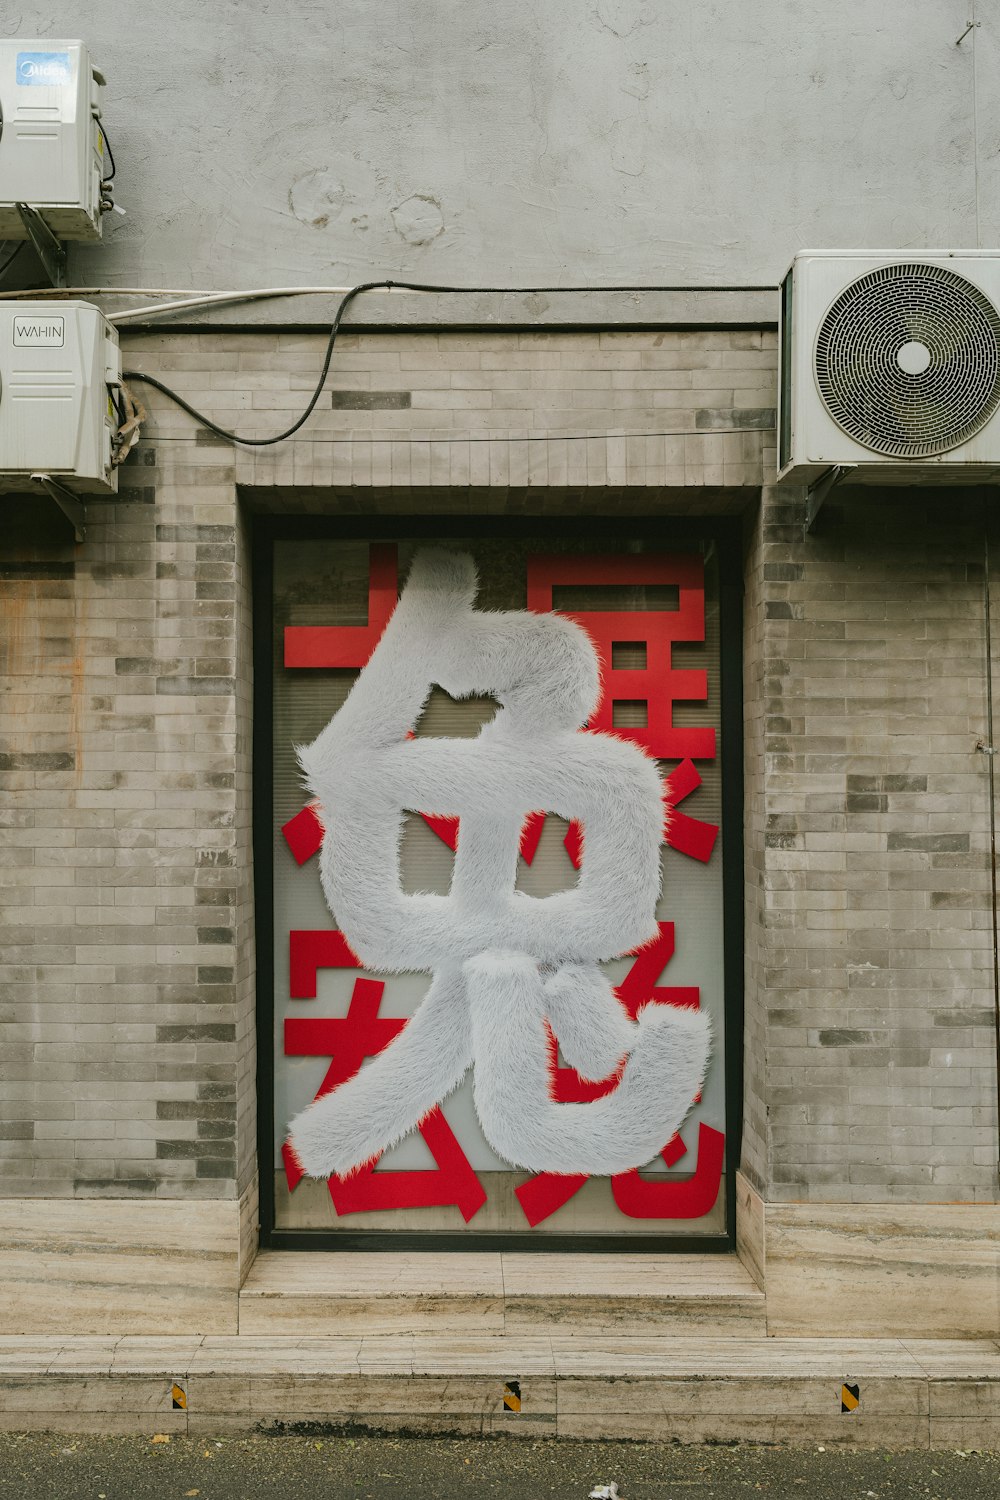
{"x": 890, "y": 366}
{"x": 52, "y": 154}
{"x": 60, "y": 371}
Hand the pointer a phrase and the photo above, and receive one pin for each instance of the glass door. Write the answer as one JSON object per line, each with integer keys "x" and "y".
{"x": 652, "y": 618}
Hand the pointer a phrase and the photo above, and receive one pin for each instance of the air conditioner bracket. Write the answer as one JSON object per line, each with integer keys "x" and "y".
{"x": 50, "y": 252}
{"x": 817, "y": 493}
{"x": 71, "y": 507}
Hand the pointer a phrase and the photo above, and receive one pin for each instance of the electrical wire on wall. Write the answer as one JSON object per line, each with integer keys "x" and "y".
{"x": 278, "y": 437}
{"x": 350, "y": 293}
{"x": 201, "y": 299}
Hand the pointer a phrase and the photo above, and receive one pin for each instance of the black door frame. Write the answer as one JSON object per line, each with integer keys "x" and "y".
{"x": 725, "y": 533}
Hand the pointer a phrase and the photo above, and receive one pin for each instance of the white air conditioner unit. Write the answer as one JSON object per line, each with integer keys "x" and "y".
{"x": 60, "y": 370}
{"x": 52, "y": 154}
{"x": 890, "y": 366}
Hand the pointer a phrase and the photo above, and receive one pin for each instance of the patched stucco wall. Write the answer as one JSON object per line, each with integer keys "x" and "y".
{"x": 613, "y": 141}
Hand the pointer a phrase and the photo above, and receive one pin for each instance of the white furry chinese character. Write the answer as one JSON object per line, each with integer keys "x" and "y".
{"x": 503, "y": 962}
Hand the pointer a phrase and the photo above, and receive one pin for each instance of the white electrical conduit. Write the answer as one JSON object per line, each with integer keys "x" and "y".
{"x": 214, "y": 299}
{"x": 30, "y": 293}
{"x": 190, "y": 300}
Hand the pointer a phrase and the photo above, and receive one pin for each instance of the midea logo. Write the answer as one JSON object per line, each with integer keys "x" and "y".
{"x": 45, "y": 68}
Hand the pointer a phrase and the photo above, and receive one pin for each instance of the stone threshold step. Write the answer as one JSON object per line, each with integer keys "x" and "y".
{"x": 313, "y": 1293}
{"x": 910, "y": 1393}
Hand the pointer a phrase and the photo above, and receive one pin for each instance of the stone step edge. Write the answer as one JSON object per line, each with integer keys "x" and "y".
{"x": 745, "y": 1356}
{"x": 627, "y": 1298}
{"x": 376, "y": 1278}
{"x": 923, "y": 1396}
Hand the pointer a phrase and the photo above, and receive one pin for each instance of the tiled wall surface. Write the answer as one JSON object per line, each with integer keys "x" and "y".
{"x": 410, "y": 411}
{"x": 126, "y": 919}
{"x": 755, "y": 956}
{"x": 869, "y": 940}
{"x": 127, "y": 982}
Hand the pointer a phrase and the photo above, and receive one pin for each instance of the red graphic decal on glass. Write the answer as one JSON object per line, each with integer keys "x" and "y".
{"x": 639, "y": 986}
{"x": 540, "y": 1196}
{"x": 347, "y": 1041}
{"x": 349, "y": 645}
{"x": 642, "y": 1198}
{"x": 687, "y": 835}
{"x": 654, "y": 630}
{"x": 309, "y": 951}
{"x": 363, "y": 1032}
{"x": 304, "y": 833}
{"x": 636, "y": 1197}
{"x": 453, "y": 1182}
{"x": 445, "y": 827}
{"x": 658, "y": 684}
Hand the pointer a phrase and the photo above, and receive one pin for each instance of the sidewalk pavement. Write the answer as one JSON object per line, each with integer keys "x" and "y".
{"x": 38, "y": 1467}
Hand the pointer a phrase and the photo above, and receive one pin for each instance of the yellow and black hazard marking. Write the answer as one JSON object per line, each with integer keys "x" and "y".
{"x": 179, "y": 1397}
{"x": 512, "y": 1395}
{"x": 850, "y": 1397}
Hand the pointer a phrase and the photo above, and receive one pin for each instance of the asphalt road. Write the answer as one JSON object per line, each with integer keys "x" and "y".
{"x": 51, "y": 1466}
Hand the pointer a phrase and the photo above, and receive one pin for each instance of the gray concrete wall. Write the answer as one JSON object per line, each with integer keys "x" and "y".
{"x": 619, "y": 141}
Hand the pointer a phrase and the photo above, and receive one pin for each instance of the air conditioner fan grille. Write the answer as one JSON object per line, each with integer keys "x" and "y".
{"x": 908, "y": 360}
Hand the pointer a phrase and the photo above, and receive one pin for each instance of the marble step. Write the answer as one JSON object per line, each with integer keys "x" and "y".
{"x": 910, "y": 1393}
{"x": 303, "y": 1294}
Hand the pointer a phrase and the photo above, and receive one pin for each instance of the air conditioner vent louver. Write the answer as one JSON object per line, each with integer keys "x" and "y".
{"x": 908, "y": 360}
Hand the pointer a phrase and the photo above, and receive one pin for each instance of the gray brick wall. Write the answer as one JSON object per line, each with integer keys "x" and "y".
{"x": 707, "y": 398}
{"x": 122, "y": 1008}
{"x": 760, "y": 526}
{"x": 870, "y": 994}
{"x": 126, "y": 921}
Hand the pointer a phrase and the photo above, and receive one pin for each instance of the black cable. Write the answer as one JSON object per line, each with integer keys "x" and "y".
{"x": 355, "y": 291}
{"x": 109, "y": 177}
{"x": 12, "y": 257}
{"x": 233, "y": 437}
